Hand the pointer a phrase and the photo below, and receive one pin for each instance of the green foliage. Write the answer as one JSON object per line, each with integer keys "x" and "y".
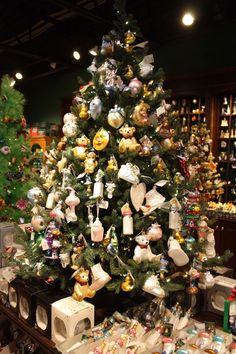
{"x": 14, "y": 152}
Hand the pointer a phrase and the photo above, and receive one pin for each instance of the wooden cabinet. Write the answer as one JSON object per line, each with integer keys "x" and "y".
{"x": 225, "y": 238}
{"x": 226, "y": 142}
{"x": 191, "y": 110}
{"x": 38, "y": 145}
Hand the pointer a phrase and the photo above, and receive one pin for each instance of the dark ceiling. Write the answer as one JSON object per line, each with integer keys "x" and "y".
{"x": 34, "y": 34}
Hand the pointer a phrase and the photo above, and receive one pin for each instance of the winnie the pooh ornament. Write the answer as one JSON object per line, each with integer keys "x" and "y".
{"x": 82, "y": 288}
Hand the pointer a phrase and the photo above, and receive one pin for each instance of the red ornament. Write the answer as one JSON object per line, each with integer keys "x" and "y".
{"x": 184, "y": 168}
{"x": 23, "y": 122}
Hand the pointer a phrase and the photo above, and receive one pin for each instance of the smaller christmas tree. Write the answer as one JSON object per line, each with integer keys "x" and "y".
{"x": 202, "y": 165}
{"x": 14, "y": 152}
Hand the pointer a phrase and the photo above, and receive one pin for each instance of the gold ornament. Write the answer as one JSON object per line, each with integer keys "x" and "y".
{"x": 179, "y": 237}
{"x": 90, "y": 163}
{"x": 128, "y": 143}
{"x": 146, "y": 146}
{"x": 13, "y": 160}
{"x": 129, "y": 37}
{"x": 115, "y": 117}
{"x": 101, "y": 139}
{"x": 112, "y": 164}
{"x": 192, "y": 290}
{"x": 62, "y": 143}
{"x": 166, "y": 143}
{"x": 81, "y": 150}
{"x": 140, "y": 115}
{"x": 146, "y": 91}
{"x": 129, "y": 73}
{"x": 84, "y": 114}
{"x": 128, "y": 283}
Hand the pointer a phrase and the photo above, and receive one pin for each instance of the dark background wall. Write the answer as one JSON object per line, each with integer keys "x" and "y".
{"x": 198, "y": 53}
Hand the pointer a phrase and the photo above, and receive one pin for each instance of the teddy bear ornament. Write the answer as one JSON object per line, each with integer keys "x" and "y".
{"x": 82, "y": 288}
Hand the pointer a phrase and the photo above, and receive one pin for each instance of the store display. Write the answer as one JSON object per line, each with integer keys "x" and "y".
{"x": 226, "y": 144}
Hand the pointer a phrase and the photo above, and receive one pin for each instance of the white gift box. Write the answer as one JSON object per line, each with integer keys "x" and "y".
{"x": 70, "y": 317}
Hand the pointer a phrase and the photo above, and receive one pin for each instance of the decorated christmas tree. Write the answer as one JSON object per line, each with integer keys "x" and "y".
{"x": 202, "y": 165}
{"x": 117, "y": 201}
{"x": 14, "y": 151}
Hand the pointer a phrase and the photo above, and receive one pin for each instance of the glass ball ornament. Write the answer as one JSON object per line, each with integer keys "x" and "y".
{"x": 154, "y": 232}
{"x": 69, "y": 129}
{"x": 69, "y": 118}
{"x": 34, "y": 194}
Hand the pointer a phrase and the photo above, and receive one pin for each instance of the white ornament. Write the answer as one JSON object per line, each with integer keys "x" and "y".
{"x": 57, "y": 213}
{"x": 146, "y": 66}
{"x": 206, "y": 280}
{"x": 38, "y": 223}
{"x": 210, "y": 247}
{"x": 154, "y": 232}
{"x": 95, "y": 107}
{"x": 154, "y": 200}
{"x": 72, "y": 201}
{"x": 33, "y": 194}
{"x": 128, "y": 225}
{"x": 110, "y": 187}
{"x": 97, "y": 231}
{"x": 152, "y": 286}
{"x": 99, "y": 277}
{"x": 142, "y": 251}
{"x": 129, "y": 173}
{"x": 175, "y": 252}
{"x": 50, "y": 200}
{"x": 98, "y": 186}
{"x": 65, "y": 259}
{"x": 69, "y": 118}
{"x": 174, "y": 216}
{"x": 137, "y": 195}
{"x": 69, "y": 130}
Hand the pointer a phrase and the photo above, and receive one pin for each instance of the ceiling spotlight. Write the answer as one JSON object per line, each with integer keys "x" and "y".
{"x": 188, "y": 19}
{"x": 19, "y": 76}
{"x": 53, "y": 65}
{"x": 76, "y": 55}
{"x": 94, "y": 51}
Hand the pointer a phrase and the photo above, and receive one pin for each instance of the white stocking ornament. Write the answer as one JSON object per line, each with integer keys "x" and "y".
{"x": 99, "y": 276}
{"x": 175, "y": 252}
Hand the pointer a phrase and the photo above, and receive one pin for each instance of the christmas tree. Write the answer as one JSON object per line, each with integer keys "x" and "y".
{"x": 14, "y": 151}
{"x": 202, "y": 162}
{"x": 116, "y": 200}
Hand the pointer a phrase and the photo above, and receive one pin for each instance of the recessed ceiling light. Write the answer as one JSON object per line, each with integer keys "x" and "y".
{"x": 76, "y": 55}
{"x": 188, "y": 19}
{"x": 19, "y": 76}
{"x": 93, "y": 51}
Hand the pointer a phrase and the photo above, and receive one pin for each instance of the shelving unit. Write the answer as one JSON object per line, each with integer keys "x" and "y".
{"x": 226, "y": 143}
{"x": 38, "y": 145}
{"x": 46, "y": 345}
{"x": 191, "y": 110}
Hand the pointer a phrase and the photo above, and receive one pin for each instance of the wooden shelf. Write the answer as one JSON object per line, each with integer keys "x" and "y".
{"x": 47, "y": 345}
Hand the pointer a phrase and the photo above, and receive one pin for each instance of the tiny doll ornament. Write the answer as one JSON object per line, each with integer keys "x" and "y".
{"x": 61, "y": 163}
{"x": 112, "y": 164}
{"x": 174, "y": 216}
{"x": 98, "y": 186}
{"x": 110, "y": 187}
{"x": 57, "y": 213}
{"x": 146, "y": 146}
{"x": 107, "y": 46}
{"x": 38, "y": 223}
{"x": 72, "y": 201}
{"x": 140, "y": 115}
{"x": 101, "y": 139}
{"x": 115, "y": 117}
{"x": 90, "y": 163}
{"x": 128, "y": 226}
